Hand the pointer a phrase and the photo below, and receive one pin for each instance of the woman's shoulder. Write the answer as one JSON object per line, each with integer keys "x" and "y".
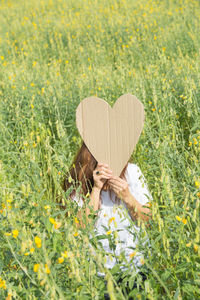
{"x": 133, "y": 169}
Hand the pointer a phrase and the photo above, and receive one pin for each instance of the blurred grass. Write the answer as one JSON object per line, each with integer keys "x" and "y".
{"x": 53, "y": 55}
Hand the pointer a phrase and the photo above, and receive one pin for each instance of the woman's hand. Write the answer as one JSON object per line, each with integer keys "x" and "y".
{"x": 120, "y": 187}
{"x": 103, "y": 174}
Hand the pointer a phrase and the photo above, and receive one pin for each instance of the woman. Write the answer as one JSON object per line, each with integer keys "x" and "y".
{"x": 115, "y": 198}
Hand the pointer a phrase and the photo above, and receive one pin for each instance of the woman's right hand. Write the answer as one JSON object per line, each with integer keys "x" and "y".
{"x": 104, "y": 174}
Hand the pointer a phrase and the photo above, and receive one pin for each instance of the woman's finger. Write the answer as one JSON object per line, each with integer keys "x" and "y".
{"x": 115, "y": 187}
{"x": 104, "y": 175}
{"x": 117, "y": 179}
{"x": 116, "y": 183}
{"x": 101, "y": 170}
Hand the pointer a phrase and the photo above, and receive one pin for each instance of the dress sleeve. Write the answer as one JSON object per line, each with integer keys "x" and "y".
{"x": 137, "y": 185}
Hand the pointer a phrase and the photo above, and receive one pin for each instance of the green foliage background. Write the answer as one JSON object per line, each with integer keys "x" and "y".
{"x": 54, "y": 54}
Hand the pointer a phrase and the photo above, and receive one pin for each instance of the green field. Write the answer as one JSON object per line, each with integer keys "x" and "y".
{"x": 53, "y": 54}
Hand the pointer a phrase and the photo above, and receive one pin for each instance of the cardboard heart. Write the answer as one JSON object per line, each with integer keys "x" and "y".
{"x": 110, "y": 133}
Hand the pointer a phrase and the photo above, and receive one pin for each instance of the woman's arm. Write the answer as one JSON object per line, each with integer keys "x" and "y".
{"x": 100, "y": 175}
{"x": 137, "y": 210}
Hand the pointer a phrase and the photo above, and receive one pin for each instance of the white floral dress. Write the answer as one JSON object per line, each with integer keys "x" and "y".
{"x": 115, "y": 219}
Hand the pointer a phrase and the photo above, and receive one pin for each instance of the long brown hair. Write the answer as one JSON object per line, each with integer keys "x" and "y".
{"x": 81, "y": 171}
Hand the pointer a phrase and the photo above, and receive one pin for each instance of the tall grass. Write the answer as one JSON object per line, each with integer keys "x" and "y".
{"x": 54, "y": 54}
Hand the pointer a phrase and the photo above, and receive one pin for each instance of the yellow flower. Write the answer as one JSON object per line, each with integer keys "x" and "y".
{"x": 184, "y": 221}
{"x": 196, "y": 247}
{"x": 38, "y": 242}
{"x": 197, "y": 183}
{"x": 52, "y": 220}
{"x": 142, "y": 261}
{"x": 57, "y": 225}
{"x": 178, "y": 218}
{"x": 153, "y": 109}
{"x": 108, "y": 232}
{"x": 76, "y": 220}
{"x": 36, "y": 267}
{"x": 47, "y": 270}
{"x": 32, "y": 84}
{"x": 64, "y": 254}
{"x": 188, "y": 244}
{"x": 32, "y": 106}
{"x": 110, "y": 220}
{"x": 2, "y": 283}
{"x": 47, "y": 207}
{"x": 76, "y": 233}
{"x": 15, "y": 233}
{"x": 132, "y": 254}
{"x": 7, "y": 233}
{"x": 32, "y": 250}
{"x": 60, "y": 260}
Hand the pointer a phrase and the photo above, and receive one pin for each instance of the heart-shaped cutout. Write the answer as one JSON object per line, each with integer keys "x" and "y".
{"x": 110, "y": 134}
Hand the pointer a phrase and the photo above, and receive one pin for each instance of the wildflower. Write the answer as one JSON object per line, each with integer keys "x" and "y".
{"x": 110, "y": 220}
{"x": 64, "y": 254}
{"x": 178, "y": 218}
{"x": 60, "y": 260}
{"x": 108, "y": 232}
{"x": 38, "y": 242}
{"x": 153, "y": 109}
{"x": 15, "y": 233}
{"x": 47, "y": 270}
{"x": 32, "y": 250}
{"x": 59, "y": 172}
{"x": 32, "y": 84}
{"x": 52, "y": 220}
{"x": 9, "y": 296}
{"x": 76, "y": 220}
{"x": 76, "y": 233}
{"x": 196, "y": 247}
{"x": 7, "y": 233}
{"x": 26, "y": 253}
{"x": 47, "y": 207}
{"x": 184, "y": 221}
{"x": 32, "y": 106}
{"x": 188, "y": 244}
{"x": 197, "y": 184}
{"x": 142, "y": 261}
{"x": 132, "y": 254}
{"x": 198, "y": 194}
{"x": 57, "y": 225}
{"x": 2, "y": 283}
{"x": 36, "y": 267}
{"x": 34, "y": 63}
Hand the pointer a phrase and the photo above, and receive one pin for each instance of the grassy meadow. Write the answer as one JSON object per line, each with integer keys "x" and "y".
{"x": 53, "y": 54}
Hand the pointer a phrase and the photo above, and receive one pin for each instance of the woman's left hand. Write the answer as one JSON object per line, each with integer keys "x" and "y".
{"x": 120, "y": 187}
